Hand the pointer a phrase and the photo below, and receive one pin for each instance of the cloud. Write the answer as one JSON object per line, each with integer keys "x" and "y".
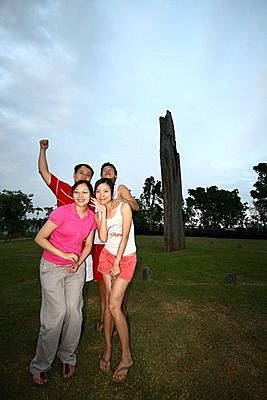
{"x": 94, "y": 77}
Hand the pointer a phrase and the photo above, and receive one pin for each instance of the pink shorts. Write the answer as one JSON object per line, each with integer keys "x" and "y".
{"x": 96, "y": 251}
{"x": 127, "y": 265}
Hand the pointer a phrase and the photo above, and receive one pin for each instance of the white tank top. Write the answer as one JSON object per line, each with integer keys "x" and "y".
{"x": 114, "y": 226}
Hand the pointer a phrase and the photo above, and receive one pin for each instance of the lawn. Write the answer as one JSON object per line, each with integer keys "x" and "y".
{"x": 193, "y": 336}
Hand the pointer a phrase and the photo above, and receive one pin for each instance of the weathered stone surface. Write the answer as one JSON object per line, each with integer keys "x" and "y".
{"x": 147, "y": 274}
{"x": 174, "y": 235}
{"x": 230, "y": 278}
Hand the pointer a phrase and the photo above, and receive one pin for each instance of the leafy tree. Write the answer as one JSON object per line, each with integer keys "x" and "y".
{"x": 150, "y": 214}
{"x": 35, "y": 224}
{"x": 214, "y": 208}
{"x": 252, "y": 219}
{"x": 259, "y": 194}
{"x": 140, "y": 219}
{"x": 38, "y": 210}
{"x": 191, "y": 216}
{"x": 48, "y": 211}
{"x": 14, "y": 206}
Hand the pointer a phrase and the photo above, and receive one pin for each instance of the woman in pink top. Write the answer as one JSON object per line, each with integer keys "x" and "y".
{"x": 67, "y": 239}
{"x": 116, "y": 263}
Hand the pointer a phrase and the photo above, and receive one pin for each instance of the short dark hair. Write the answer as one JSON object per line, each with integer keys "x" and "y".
{"x": 78, "y": 166}
{"x": 108, "y": 164}
{"x": 108, "y": 182}
{"x": 88, "y": 184}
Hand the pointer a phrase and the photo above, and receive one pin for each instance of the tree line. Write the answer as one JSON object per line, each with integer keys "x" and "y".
{"x": 205, "y": 209}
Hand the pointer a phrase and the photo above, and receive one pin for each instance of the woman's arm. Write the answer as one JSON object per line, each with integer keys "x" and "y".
{"x": 85, "y": 253}
{"x": 101, "y": 224}
{"x": 42, "y": 240}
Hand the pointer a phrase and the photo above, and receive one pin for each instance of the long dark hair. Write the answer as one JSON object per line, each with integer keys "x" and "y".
{"x": 108, "y": 182}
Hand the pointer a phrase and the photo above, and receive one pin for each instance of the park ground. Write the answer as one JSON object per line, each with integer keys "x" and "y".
{"x": 193, "y": 335}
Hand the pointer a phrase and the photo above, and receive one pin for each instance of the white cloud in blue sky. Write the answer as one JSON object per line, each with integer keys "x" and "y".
{"x": 95, "y": 76}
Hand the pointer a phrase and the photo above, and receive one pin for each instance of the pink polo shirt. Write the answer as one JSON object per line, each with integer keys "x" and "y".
{"x": 70, "y": 233}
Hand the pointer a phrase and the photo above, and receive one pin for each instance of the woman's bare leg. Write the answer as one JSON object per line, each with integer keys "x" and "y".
{"x": 102, "y": 302}
{"x": 108, "y": 327}
{"x": 118, "y": 290}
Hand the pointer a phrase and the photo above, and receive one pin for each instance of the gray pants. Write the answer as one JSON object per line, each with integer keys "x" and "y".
{"x": 60, "y": 315}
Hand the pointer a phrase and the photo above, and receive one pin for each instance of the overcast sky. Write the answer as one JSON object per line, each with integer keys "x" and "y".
{"x": 95, "y": 76}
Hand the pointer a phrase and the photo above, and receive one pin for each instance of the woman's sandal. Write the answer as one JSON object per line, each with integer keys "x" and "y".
{"x": 104, "y": 365}
{"x": 42, "y": 381}
{"x": 118, "y": 377}
{"x": 99, "y": 326}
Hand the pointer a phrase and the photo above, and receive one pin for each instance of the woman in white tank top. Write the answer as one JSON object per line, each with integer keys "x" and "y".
{"x": 122, "y": 193}
{"x": 117, "y": 263}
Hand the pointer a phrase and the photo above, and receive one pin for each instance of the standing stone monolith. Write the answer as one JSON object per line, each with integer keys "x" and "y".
{"x": 174, "y": 235}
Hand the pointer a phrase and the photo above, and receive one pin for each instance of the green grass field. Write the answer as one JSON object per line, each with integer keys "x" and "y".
{"x": 192, "y": 335}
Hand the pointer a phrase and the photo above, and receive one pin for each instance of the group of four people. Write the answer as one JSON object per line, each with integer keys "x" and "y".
{"x": 67, "y": 239}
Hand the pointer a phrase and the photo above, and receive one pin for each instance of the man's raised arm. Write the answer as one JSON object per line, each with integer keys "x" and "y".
{"x": 42, "y": 162}
{"x": 124, "y": 194}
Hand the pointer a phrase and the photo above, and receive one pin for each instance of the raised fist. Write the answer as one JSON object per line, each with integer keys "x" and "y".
{"x": 44, "y": 144}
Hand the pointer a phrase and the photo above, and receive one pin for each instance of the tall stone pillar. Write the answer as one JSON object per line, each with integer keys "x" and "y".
{"x": 174, "y": 235}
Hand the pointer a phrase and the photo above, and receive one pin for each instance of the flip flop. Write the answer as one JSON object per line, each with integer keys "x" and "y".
{"x": 104, "y": 365}
{"x": 43, "y": 377}
{"x": 68, "y": 371}
{"x": 125, "y": 368}
{"x": 99, "y": 326}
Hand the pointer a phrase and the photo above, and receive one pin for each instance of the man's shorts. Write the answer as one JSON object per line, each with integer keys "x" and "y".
{"x": 96, "y": 251}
